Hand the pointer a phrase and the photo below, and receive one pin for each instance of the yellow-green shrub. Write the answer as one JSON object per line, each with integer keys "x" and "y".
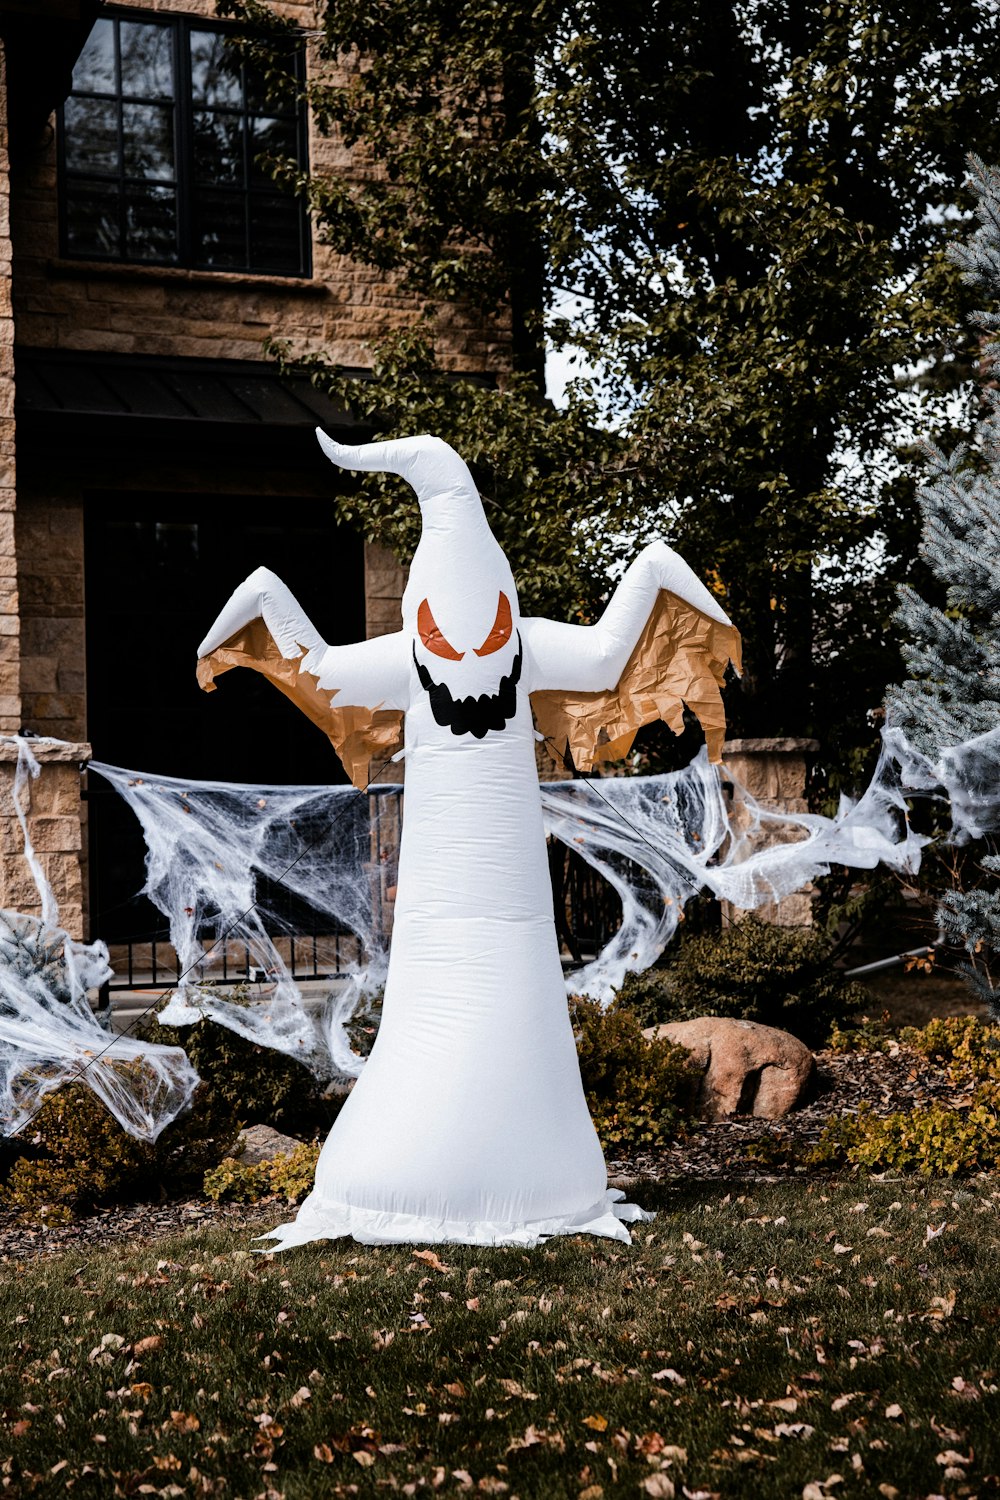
{"x": 938, "y": 1140}
{"x": 639, "y": 1093}
{"x": 81, "y": 1158}
{"x": 943, "y": 1138}
{"x": 290, "y": 1174}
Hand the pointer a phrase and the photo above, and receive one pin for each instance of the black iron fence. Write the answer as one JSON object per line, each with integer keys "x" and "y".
{"x": 587, "y": 911}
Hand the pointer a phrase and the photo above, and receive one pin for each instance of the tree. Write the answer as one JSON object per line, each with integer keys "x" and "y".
{"x": 748, "y": 202}
{"x": 952, "y": 649}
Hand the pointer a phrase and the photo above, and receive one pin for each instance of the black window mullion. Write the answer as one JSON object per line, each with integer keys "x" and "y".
{"x": 122, "y": 198}
{"x": 247, "y": 165}
{"x": 184, "y": 142}
{"x": 302, "y": 143}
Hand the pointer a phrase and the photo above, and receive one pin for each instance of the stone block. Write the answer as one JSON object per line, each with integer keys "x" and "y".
{"x": 56, "y": 793}
{"x": 53, "y": 835}
{"x": 382, "y": 616}
{"x": 71, "y": 918}
{"x": 38, "y": 674}
{"x": 56, "y": 705}
{"x": 48, "y": 595}
{"x": 62, "y": 870}
{"x": 47, "y": 636}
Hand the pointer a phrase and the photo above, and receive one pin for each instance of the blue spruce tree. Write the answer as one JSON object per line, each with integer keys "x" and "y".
{"x": 953, "y": 653}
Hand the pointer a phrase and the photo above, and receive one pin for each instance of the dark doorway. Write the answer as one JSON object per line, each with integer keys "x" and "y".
{"x": 158, "y": 570}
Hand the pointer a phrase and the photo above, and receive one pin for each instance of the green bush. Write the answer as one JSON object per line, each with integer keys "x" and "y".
{"x": 753, "y": 971}
{"x": 290, "y": 1174}
{"x": 257, "y": 1085}
{"x": 639, "y": 1093}
{"x": 81, "y": 1158}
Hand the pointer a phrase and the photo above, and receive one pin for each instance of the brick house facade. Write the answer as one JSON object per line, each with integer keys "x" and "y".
{"x": 149, "y": 454}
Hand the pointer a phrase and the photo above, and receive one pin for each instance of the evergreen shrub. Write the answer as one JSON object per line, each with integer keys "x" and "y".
{"x": 639, "y": 1093}
{"x": 256, "y": 1085}
{"x": 752, "y": 971}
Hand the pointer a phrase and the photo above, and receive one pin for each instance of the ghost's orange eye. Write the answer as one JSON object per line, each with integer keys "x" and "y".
{"x": 432, "y": 637}
{"x": 501, "y": 632}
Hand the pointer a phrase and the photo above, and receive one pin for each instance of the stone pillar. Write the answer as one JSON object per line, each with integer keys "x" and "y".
{"x": 773, "y": 771}
{"x": 384, "y": 583}
{"x": 385, "y": 580}
{"x": 52, "y": 805}
{"x": 10, "y": 691}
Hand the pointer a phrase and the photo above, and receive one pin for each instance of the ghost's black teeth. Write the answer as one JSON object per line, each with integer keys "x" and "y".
{"x": 475, "y": 716}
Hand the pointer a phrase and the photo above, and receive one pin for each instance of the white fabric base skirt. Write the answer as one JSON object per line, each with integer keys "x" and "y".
{"x": 319, "y": 1219}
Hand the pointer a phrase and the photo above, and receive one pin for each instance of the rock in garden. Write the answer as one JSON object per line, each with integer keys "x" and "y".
{"x": 746, "y": 1068}
{"x": 261, "y": 1143}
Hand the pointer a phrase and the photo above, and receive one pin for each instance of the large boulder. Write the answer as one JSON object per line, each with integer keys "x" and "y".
{"x": 258, "y": 1143}
{"x": 747, "y": 1069}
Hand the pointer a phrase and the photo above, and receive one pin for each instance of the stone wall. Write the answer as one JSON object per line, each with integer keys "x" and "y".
{"x": 340, "y": 310}
{"x": 385, "y": 579}
{"x": 50, "y": 583}
{"x": 10, "y": 702}
{"x": 52, "y": 804}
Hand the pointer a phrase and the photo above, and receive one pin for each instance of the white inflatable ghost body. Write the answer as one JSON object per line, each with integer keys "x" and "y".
{"x": 468, "y": 1124}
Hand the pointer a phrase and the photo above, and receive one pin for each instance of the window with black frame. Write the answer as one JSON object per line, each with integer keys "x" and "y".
{"x": 161, "y": 141}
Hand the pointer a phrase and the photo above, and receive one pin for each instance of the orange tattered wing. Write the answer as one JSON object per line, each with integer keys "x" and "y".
{"x": 357, "y": 734}
{"x": 679, "y": 660}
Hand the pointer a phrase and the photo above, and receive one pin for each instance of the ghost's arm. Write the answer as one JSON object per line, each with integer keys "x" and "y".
{"x": 662, "y": 645}
{"x": 368, "y": 674}
{"x": 356, "y": 694}
{"x": 591, "y": 658}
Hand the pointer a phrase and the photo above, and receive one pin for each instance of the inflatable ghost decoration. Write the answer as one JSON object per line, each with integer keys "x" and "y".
{"x": 468, "y": 1123}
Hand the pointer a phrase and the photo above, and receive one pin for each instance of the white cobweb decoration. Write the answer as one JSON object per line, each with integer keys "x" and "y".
{"x": 240, "y": 872}
{"x": 49, "y": 1034}
{"x": 246, "y": 870}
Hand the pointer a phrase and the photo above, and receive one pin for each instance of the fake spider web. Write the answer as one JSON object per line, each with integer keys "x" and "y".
{"x": 245, "y": 871}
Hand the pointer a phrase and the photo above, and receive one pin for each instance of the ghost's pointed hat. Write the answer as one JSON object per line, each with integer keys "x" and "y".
{"x": 440, "y": 478}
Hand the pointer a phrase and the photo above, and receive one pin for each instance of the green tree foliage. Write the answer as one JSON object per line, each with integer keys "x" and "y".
{"x": 743, "y": 203}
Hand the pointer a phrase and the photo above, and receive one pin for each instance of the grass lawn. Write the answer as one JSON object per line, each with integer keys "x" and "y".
{"x": 823, "y": 1338}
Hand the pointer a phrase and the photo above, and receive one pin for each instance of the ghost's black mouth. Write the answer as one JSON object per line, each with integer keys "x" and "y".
{"x": 475, "y": 716}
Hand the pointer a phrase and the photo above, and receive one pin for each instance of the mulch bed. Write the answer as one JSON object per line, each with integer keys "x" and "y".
{"x": 902, "y": 1081}
{"x": 134, "y": 1224}
{"x": 711, "y": 1152}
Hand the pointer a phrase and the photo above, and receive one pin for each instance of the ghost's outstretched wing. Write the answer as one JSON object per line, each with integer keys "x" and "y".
{"x": 663, "y": 643}
{"x": 264, "y": 627}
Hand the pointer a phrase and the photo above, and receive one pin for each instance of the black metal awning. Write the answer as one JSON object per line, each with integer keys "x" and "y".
{"x": 55, "y": 384}
{"x": 95, "y": 402}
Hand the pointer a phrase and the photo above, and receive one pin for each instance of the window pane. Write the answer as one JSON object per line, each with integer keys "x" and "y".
{"x": 147, "y": 60}
{"x": 148, "y": 138}
{"x": 215, "y": 69}
{"x": 150, "y": 223}
{"x": 218, "y": 148}
{"x": 279, "y": 137}
{"x": 271, "y": 102}
{"x": 220, "y": 230}
{"x": 92, "y": 218}
{"x": 95, "y": 67}
{"x": 91, "y": 134}
{"x": 274, "y": 234}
